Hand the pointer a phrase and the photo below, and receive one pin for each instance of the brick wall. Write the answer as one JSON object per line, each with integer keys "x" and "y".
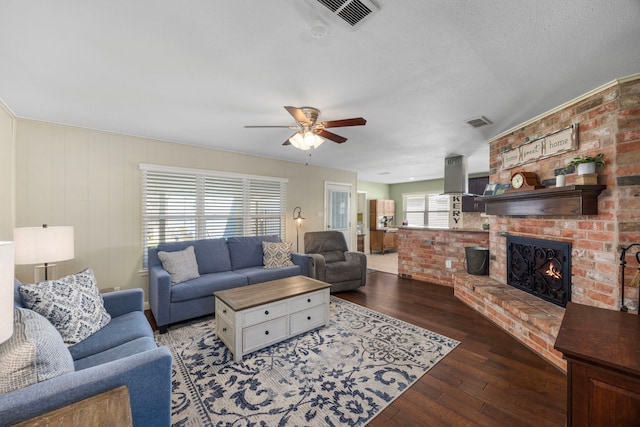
{"x": 608, "y": 122}
{"x": 422, "y": 253}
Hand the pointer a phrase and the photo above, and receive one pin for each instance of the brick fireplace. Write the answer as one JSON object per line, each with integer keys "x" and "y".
{"x": 608, "y": 120}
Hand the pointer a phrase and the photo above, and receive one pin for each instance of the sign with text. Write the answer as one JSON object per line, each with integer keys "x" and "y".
{"x": 549, "y": 145}
{"x": 560, "y": 142}
{"x": 455, "y": 211}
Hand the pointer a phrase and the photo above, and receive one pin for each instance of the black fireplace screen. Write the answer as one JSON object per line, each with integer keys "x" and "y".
{"x": 540, "y": 267}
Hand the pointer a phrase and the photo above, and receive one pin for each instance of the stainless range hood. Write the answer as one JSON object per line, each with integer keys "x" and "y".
{"x": 455, "y": 175}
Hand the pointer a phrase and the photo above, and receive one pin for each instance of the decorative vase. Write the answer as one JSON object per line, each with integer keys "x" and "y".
{"x": 560, "y": 180}
{"x": 585, "y": 168}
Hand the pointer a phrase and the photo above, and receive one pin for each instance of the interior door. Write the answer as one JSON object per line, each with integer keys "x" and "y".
{"x": 337, "y": 204}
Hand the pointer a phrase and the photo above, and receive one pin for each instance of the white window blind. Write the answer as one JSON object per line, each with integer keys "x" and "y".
{"x": 424, "y": 209}
{"x": 182, "y": 204}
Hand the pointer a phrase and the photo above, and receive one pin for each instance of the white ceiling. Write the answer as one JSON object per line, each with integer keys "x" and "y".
{"x": 196, "y": 72}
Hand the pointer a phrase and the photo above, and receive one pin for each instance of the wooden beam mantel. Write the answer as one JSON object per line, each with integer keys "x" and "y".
{"x": 568, "y": 200}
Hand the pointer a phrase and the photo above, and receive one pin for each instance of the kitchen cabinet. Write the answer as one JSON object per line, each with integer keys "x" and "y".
{"x": 603, "y": 369}
{"x": 382, "y": 240}
{"x": 381, "y": 213}
{"x": 476, "y": 186}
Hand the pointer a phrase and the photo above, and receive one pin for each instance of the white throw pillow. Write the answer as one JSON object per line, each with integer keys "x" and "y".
{"x": 35, "y": 352}
{"x": 276, "y": 255}
{"x": 181, "y": 265}
{"x": 72, "y": 304}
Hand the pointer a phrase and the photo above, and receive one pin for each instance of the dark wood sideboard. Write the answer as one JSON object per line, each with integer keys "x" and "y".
{"x": 602, "y": 349}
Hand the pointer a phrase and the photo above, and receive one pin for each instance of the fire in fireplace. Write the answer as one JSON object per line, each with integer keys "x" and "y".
{"x": 540, "y": 267}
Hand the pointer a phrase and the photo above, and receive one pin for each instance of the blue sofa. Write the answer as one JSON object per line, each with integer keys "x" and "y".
{"x": 123, "y": 352}
{"x": 222, "y": 264}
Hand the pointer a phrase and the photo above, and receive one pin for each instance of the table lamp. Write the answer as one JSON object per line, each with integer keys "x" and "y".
{"x": 43, "y": 245}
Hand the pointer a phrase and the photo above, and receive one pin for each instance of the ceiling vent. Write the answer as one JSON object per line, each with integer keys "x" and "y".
{"x": 353, "y": 12}
{"x": 476, "y": 122}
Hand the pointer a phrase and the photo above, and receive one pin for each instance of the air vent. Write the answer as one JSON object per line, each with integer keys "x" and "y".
{"x": 353, "y": 12}
{"x": 476, "y": 122}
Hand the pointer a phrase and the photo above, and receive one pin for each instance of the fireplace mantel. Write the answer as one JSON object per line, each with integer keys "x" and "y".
{"x": 568, "y": 200}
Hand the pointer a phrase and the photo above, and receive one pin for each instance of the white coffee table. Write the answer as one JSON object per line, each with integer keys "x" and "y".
{"x": 253, "y": 317}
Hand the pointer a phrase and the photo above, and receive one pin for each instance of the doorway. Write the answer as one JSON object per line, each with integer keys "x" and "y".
{"x": 337, "y": 203}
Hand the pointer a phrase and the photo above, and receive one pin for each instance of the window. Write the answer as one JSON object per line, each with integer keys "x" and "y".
{"x": 424, "y": 209}
{"x": 187, "y": 204}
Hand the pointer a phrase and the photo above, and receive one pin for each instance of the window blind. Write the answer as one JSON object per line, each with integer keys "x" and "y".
{"x": 426, "y": 209}
{"x": 182, "y": 204}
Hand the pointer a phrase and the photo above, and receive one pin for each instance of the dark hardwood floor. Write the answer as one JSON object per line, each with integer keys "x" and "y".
{"x": 490, "y": 379}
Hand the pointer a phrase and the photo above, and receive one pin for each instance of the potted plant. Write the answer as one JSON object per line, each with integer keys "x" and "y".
{"x": 587, "y": 164}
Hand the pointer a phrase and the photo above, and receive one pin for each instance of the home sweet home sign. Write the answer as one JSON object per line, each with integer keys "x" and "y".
{"x": 546, "y": 146}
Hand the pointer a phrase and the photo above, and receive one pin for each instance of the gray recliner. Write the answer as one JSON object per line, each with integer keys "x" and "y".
{"x": 331, "y": 261}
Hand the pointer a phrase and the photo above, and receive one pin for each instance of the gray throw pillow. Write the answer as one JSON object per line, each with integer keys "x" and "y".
{"x": 181, "y": 265}
{"x": 276, "y": 255}
{"x": 73, "y": 305}
{"x": 35, "y": 352}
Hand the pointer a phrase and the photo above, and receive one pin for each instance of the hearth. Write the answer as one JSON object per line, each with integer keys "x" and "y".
{"x": 540, "y": 267}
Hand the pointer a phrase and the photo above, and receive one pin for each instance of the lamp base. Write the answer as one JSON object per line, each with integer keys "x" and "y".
{"x": 44, "y": 272}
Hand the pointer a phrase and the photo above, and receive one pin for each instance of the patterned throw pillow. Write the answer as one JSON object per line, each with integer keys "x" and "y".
{"x": 35, "y": 352}
{"x": 181, "y": 265}
{"x": 276, "y": 255}
{"x": 72, "y": 304}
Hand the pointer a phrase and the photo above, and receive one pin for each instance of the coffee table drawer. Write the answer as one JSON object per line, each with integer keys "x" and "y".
{"x": 307, "y": 319}
{"x": 307, "y": 300}
{"x": 224, "y": 310}
{"x": 225, "y": 332}
{"x": 263, "y": 334}
{"x": 264, "y": 313}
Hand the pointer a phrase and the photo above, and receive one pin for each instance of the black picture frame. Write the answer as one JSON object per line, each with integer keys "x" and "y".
{"x": 489, "y": 189}
{"x": 501, "y": 188}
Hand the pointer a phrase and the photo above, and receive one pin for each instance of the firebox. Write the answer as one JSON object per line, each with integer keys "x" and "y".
{"x": 540, "y": 267}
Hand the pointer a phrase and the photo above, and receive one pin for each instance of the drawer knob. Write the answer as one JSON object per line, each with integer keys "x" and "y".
{"x": 224, "y": 310}
{"x": 266, "y": 312}
{"x": 308, "y": 317}
{"x": 266, "y": 332}
{"x": 308, "y": 299}
{"x": 224, "y": 329}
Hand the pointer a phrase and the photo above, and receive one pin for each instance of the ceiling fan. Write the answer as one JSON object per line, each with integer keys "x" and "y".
{"x": 310, "y": 131}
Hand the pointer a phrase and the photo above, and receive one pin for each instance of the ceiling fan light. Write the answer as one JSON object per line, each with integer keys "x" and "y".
{"x": 309, "y": 139}
{"x": 317, "y": 141}
{"x": 298, "y": 141}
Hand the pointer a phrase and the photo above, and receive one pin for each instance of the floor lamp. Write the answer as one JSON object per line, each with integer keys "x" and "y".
{"x": 298, "y": 218}
{"x": 6, "y": 290}
{"x": 43, "y": 245}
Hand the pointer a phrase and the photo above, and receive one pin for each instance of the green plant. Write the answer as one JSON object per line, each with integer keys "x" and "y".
{"x": 597, "y": 159}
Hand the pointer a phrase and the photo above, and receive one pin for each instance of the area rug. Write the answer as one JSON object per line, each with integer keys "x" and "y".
{"x": 342, "y": 374}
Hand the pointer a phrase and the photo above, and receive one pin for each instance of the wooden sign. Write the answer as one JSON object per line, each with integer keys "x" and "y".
{"x": 531, "y": 151}
{"x": 560, "y": 142}
{"x": 455, "y": 211}
{"x": 510, "y": 158}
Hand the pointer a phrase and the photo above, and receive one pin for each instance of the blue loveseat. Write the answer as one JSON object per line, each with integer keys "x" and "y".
{"x": 222, "y": 264}
{"x": 123, "y": 352}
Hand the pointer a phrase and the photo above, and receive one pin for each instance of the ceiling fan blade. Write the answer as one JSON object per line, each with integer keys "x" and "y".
{"x": 332, "y": 136}
{"x": 356, "y": 121}
{"x": 268, "y": 126}
{"x": 298, "y": 114}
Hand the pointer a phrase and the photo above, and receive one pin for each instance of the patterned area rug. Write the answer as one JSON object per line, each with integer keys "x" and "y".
{"x": 343, "y": 374}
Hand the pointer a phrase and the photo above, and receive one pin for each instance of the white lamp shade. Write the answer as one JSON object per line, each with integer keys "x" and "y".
{"x": 6, "y": 290}
{"x": 37, "y": 245}
{"x": 306, "y": 141}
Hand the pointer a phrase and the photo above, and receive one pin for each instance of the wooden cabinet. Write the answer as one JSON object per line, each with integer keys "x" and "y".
{"x": 380, "y": 209}
{"x": 476, "y": 186}
{"x": 602, "y": 349}
{"x": 360, "y": 247}
{"x": 382, "y": 240}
